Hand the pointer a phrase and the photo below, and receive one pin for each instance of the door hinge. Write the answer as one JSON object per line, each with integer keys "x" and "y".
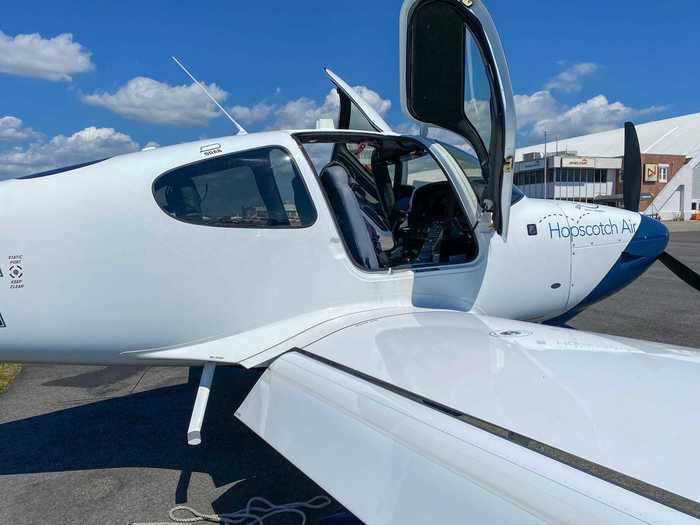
{"x": 485, "y": 222}
{"x": 508, "y": 164}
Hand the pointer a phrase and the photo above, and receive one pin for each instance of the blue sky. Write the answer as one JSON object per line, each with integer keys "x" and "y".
{"x": 111, "y": 87}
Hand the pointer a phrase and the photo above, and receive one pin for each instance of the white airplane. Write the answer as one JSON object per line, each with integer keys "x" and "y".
{"x": 395, "y": 289}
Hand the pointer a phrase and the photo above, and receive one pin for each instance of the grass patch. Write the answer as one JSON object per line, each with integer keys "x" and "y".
{"x": 7, "y": 373}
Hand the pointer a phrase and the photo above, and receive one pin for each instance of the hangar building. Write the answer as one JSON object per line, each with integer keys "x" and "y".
{"x": 590, "y": 168}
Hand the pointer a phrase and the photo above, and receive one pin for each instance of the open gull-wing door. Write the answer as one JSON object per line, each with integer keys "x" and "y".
{"x": 355, "y": 112}
{"x": 454, "y": 76}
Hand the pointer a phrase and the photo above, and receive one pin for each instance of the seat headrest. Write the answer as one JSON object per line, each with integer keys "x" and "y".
{"x": 335, "y": 175}
{"x": 335, "y": 180}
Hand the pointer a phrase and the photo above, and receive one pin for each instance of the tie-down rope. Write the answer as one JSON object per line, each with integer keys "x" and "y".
{"x": 255, "y": 512}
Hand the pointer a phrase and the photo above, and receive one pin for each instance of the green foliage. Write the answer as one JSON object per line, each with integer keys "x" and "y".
{"x": 7, "y": 373}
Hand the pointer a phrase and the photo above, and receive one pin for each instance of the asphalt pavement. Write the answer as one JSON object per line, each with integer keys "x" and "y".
{"x": 107, "y": 445}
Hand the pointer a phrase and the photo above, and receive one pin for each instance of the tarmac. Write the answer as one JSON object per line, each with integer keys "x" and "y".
{"x": 107, "y": 445}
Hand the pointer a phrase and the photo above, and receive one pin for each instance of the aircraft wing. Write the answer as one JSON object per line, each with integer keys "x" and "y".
{"x": 449, "y": 417}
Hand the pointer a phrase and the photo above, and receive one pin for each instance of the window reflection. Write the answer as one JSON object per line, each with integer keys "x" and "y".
{"x": 477, "y": 92}
{"x": 255, "y": 189}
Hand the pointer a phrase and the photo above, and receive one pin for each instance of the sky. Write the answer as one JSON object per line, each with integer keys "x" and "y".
{"x": 86, "y": 80}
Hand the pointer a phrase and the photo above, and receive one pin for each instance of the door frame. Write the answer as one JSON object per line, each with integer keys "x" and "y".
{"x": 466, "y": 196}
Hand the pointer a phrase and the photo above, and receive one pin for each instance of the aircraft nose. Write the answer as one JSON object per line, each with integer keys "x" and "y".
{"x": 649, "y": 241}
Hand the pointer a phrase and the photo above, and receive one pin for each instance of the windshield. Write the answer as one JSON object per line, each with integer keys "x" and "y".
{"x": 472, "y": 171}
{"x": 471, "y": 168}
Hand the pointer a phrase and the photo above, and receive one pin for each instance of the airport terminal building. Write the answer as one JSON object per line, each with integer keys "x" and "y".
{"x": 590, "y": 168}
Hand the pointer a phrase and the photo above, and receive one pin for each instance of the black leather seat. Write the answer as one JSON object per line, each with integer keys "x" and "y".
{"x": 336, "y": 183}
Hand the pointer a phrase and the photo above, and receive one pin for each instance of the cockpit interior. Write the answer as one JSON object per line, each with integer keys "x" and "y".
{"x": 393, "y": 204}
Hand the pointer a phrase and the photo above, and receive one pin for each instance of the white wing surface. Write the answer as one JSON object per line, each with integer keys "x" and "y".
{"x": 447, "y": 417}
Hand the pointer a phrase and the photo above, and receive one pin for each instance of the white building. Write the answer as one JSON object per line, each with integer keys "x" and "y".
{"x": 673, "y": 193}
{"x": 569, "y": 177}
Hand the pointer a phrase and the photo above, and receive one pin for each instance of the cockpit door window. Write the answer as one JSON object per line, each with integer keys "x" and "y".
{"x": 355, "y": 112}
{"x": 454, "y": 76}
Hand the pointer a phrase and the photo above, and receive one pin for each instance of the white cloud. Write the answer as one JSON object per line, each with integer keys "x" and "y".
{"x": 303, "y": 112}
{"x": 89, "y": 144}
{"x": 381, "y": 106}
{"x": 542, "y": 111}
{"x": 49, "y": 58}
{"x": 569, "y": 80}
{"x": 12, "y": 128}
{"x": 538, "y": 106}
{"x": 152, "y": 101}
{"x": 248, "y": 116}
{"x": 592, "y": 116}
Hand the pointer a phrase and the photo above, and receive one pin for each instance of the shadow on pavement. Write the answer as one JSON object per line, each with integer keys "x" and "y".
{"x": 98, "y": 378}
{"x": 149, "y": 430}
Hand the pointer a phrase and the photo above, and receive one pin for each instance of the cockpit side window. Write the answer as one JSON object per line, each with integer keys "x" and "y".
{"x": 352, "y": 118}
{"x": 259, "y": 188}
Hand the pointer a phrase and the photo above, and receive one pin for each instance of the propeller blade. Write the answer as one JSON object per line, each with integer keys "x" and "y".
{"x": 632, "y": 184}
{"x": 681, "y": 270}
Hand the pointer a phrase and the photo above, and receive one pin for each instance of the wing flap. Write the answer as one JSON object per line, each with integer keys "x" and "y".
{"x": 619, "y": 403}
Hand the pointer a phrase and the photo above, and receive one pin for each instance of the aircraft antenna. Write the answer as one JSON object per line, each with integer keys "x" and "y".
{"x": 240, "y": 129}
